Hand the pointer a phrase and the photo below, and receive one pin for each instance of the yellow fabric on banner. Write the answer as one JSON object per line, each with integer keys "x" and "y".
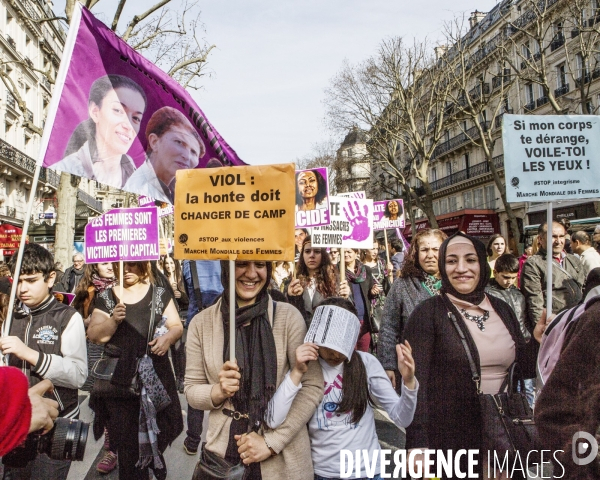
{"x": 244, "y": 213}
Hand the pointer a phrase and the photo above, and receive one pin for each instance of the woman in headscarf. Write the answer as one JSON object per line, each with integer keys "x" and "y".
{"x": 419, "y": 280}
{"x": 448, "y": 412}
{"x": 238, "y": 393}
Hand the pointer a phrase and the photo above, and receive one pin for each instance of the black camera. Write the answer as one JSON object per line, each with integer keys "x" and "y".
{"x": 66, "y": 441}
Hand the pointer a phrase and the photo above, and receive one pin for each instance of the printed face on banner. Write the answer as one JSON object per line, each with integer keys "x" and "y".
{"x": 122, "y": 121}
{"x": 351, "y": 224}
{"x": 388, "y": 214}
{"x": 243, "y": 213}
{"x": 551, "y": 157}
{"x": 312, "y": 198}
{"x": 128, "y": 234}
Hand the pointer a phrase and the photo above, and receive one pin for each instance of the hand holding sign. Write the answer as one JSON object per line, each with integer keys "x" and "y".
{"x": 359, "y": 223}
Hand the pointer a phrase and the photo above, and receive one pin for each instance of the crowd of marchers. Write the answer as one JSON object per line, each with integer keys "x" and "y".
{"x": 415, "y": 322}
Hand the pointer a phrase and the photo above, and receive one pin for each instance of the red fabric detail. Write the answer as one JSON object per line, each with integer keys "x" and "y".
{"x": 15, "y": 409}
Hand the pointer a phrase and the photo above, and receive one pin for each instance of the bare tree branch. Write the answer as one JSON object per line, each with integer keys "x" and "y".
{"x": 138, "y": 18}
{"x": 117, "y": 16}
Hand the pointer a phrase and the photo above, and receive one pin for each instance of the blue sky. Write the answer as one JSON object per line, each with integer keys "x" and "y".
{"x": 274, "y": 58}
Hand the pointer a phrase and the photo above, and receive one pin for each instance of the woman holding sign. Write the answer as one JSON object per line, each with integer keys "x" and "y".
{"x": 317, "y": 280}
{"x": 98, "y": 147}
{"x": 145, "y": 311}
{"x": 238, "y": 393}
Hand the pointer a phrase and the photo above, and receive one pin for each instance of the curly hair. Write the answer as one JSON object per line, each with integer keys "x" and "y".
{"x": 412, "y": 267}
{"x": 387, "y": 212}
{"x": 321, "y": 187}
{"x": 326, "y": 276}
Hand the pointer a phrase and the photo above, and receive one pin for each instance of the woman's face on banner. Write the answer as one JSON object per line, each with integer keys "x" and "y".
{"x": 176, "y": 149}
{"x": 393, "y": 209}
{"x": 117, "y": 120}
{"x": 307, "y": 184}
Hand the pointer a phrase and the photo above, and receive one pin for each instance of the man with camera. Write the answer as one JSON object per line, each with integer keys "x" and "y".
{"x": 46, "y": 341}
{"x": 23, "y": 410}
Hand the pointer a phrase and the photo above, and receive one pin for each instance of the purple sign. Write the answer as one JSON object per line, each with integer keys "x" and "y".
{"x": 164, "y": 209}
{"x": 388, "y": 214}
{"x": 128, "y": 234}
{"x": 118, "y": 119}
{"x": 312, "y": 198}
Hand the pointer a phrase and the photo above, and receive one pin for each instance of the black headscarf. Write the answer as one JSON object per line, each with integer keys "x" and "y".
{"x": 477, "y": 295}
{"x": 254, "y": 350}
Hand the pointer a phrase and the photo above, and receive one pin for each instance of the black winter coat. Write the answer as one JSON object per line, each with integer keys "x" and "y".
{"x": 447, "y": 414}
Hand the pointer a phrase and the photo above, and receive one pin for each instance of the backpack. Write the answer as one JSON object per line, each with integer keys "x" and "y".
{"x": 556, "y": 338}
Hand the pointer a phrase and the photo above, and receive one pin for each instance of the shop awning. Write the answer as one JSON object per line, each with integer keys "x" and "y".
{"x": 477, "y": 223}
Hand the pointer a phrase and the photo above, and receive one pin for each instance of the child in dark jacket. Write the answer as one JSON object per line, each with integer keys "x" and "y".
{"x": 502, "y": 285}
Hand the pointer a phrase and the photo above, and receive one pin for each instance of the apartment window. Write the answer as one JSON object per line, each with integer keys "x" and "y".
{"x": 478, "y": 201}
{"x": 525, "y": 51}
{"x": 582, "y": 67}
{"x": 561, "y": 76}
{"x": 436, "y": 208}
{"x": 490, "y": 197}
{"x": 449, "y": 168}
{"x": 589, "y": 108}
{"x": 444, "y": 205}
{"x": 434, "y": 174}
{"x": 536, "y": 47}
{"x": 119, "y": 203}
{"x": 452, "y": 203}
{"x": 529, "y": 98}
{"x": 468, "y": 199}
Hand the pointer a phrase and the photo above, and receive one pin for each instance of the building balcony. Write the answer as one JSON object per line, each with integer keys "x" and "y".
{"x": 9, "y": 211}
{"x": 46, "y": 83}
{"x": 466, "y": 174}
{"x": 89, "y": 201}
{"x": 499, "y": 80}
{"x": 575, "y": 32}
{"x": 11, "y": 41}
{"x": 558, "y": 42}
{"x": 530, "y": 106}
{"x": 49, "y": 176}
{"x": 29, "y": 115}
{"x": 10, "y": 100}
{"x": 479, "y": 90}
{"x": 11, "y": 155}
{"x": 29, "y": 62}
{"x": 560, "y": 91}
{"x": 459, "y": 140}
{"x": 498, "y": 120}
{"x": 543, "y": 100}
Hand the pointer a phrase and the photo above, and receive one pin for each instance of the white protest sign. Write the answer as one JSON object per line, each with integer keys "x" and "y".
{"x": 334, "y": 327}
{"x": 359, "y": 194}
{"x": 551, "y": 157}
{"x": 351, "y": 224}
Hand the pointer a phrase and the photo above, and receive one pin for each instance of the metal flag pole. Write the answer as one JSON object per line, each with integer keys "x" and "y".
{"x": 232, "y": 310}
{"x": 549, "y": 259}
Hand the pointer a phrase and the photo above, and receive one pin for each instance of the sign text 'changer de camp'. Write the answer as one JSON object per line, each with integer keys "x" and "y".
{"x": 240, "y": 212}
{"x": 551, "y": 157}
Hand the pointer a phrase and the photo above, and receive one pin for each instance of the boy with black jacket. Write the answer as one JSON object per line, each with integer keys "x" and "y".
{"x": 506, "y": 270}
{"x": 46, "y": 341}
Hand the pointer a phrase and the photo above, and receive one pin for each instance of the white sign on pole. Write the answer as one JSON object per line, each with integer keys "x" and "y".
{"x": 351, "y": 224}
{"x": 551, "y": 157}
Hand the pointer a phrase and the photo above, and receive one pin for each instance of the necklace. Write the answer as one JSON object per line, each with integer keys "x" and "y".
{"x": 478, "y": 319}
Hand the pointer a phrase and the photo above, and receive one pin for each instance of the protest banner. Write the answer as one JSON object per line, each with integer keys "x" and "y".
{"x": 116, "y": 108}
{"x": 123, "y": 234}
{"x": 164, "y": 209}
{"x": 388, "y": 214}
{"x": 243, "y": 213}
{"x": 351, "y": 224}
{"x": 358, "y": 194}
{"x": 551, "y": 157}
{"x": 312, "y": 198}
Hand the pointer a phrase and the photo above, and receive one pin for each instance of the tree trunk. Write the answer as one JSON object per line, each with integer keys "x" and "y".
{"x": 65, "y": 219}
{"x": 427, "y": 202}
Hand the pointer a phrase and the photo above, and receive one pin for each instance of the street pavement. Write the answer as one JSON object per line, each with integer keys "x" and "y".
{"x": 180, "y": 465}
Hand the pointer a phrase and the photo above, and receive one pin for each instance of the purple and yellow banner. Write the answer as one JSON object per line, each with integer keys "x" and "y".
{"x": 128, "y": 234}
{"x": 118, "y": 119}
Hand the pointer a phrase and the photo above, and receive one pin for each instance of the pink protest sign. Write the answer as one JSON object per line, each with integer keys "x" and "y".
{"x": 118, "y": 119}
{"x": 388, "y": 214}
{"x": 128, "y": 234}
